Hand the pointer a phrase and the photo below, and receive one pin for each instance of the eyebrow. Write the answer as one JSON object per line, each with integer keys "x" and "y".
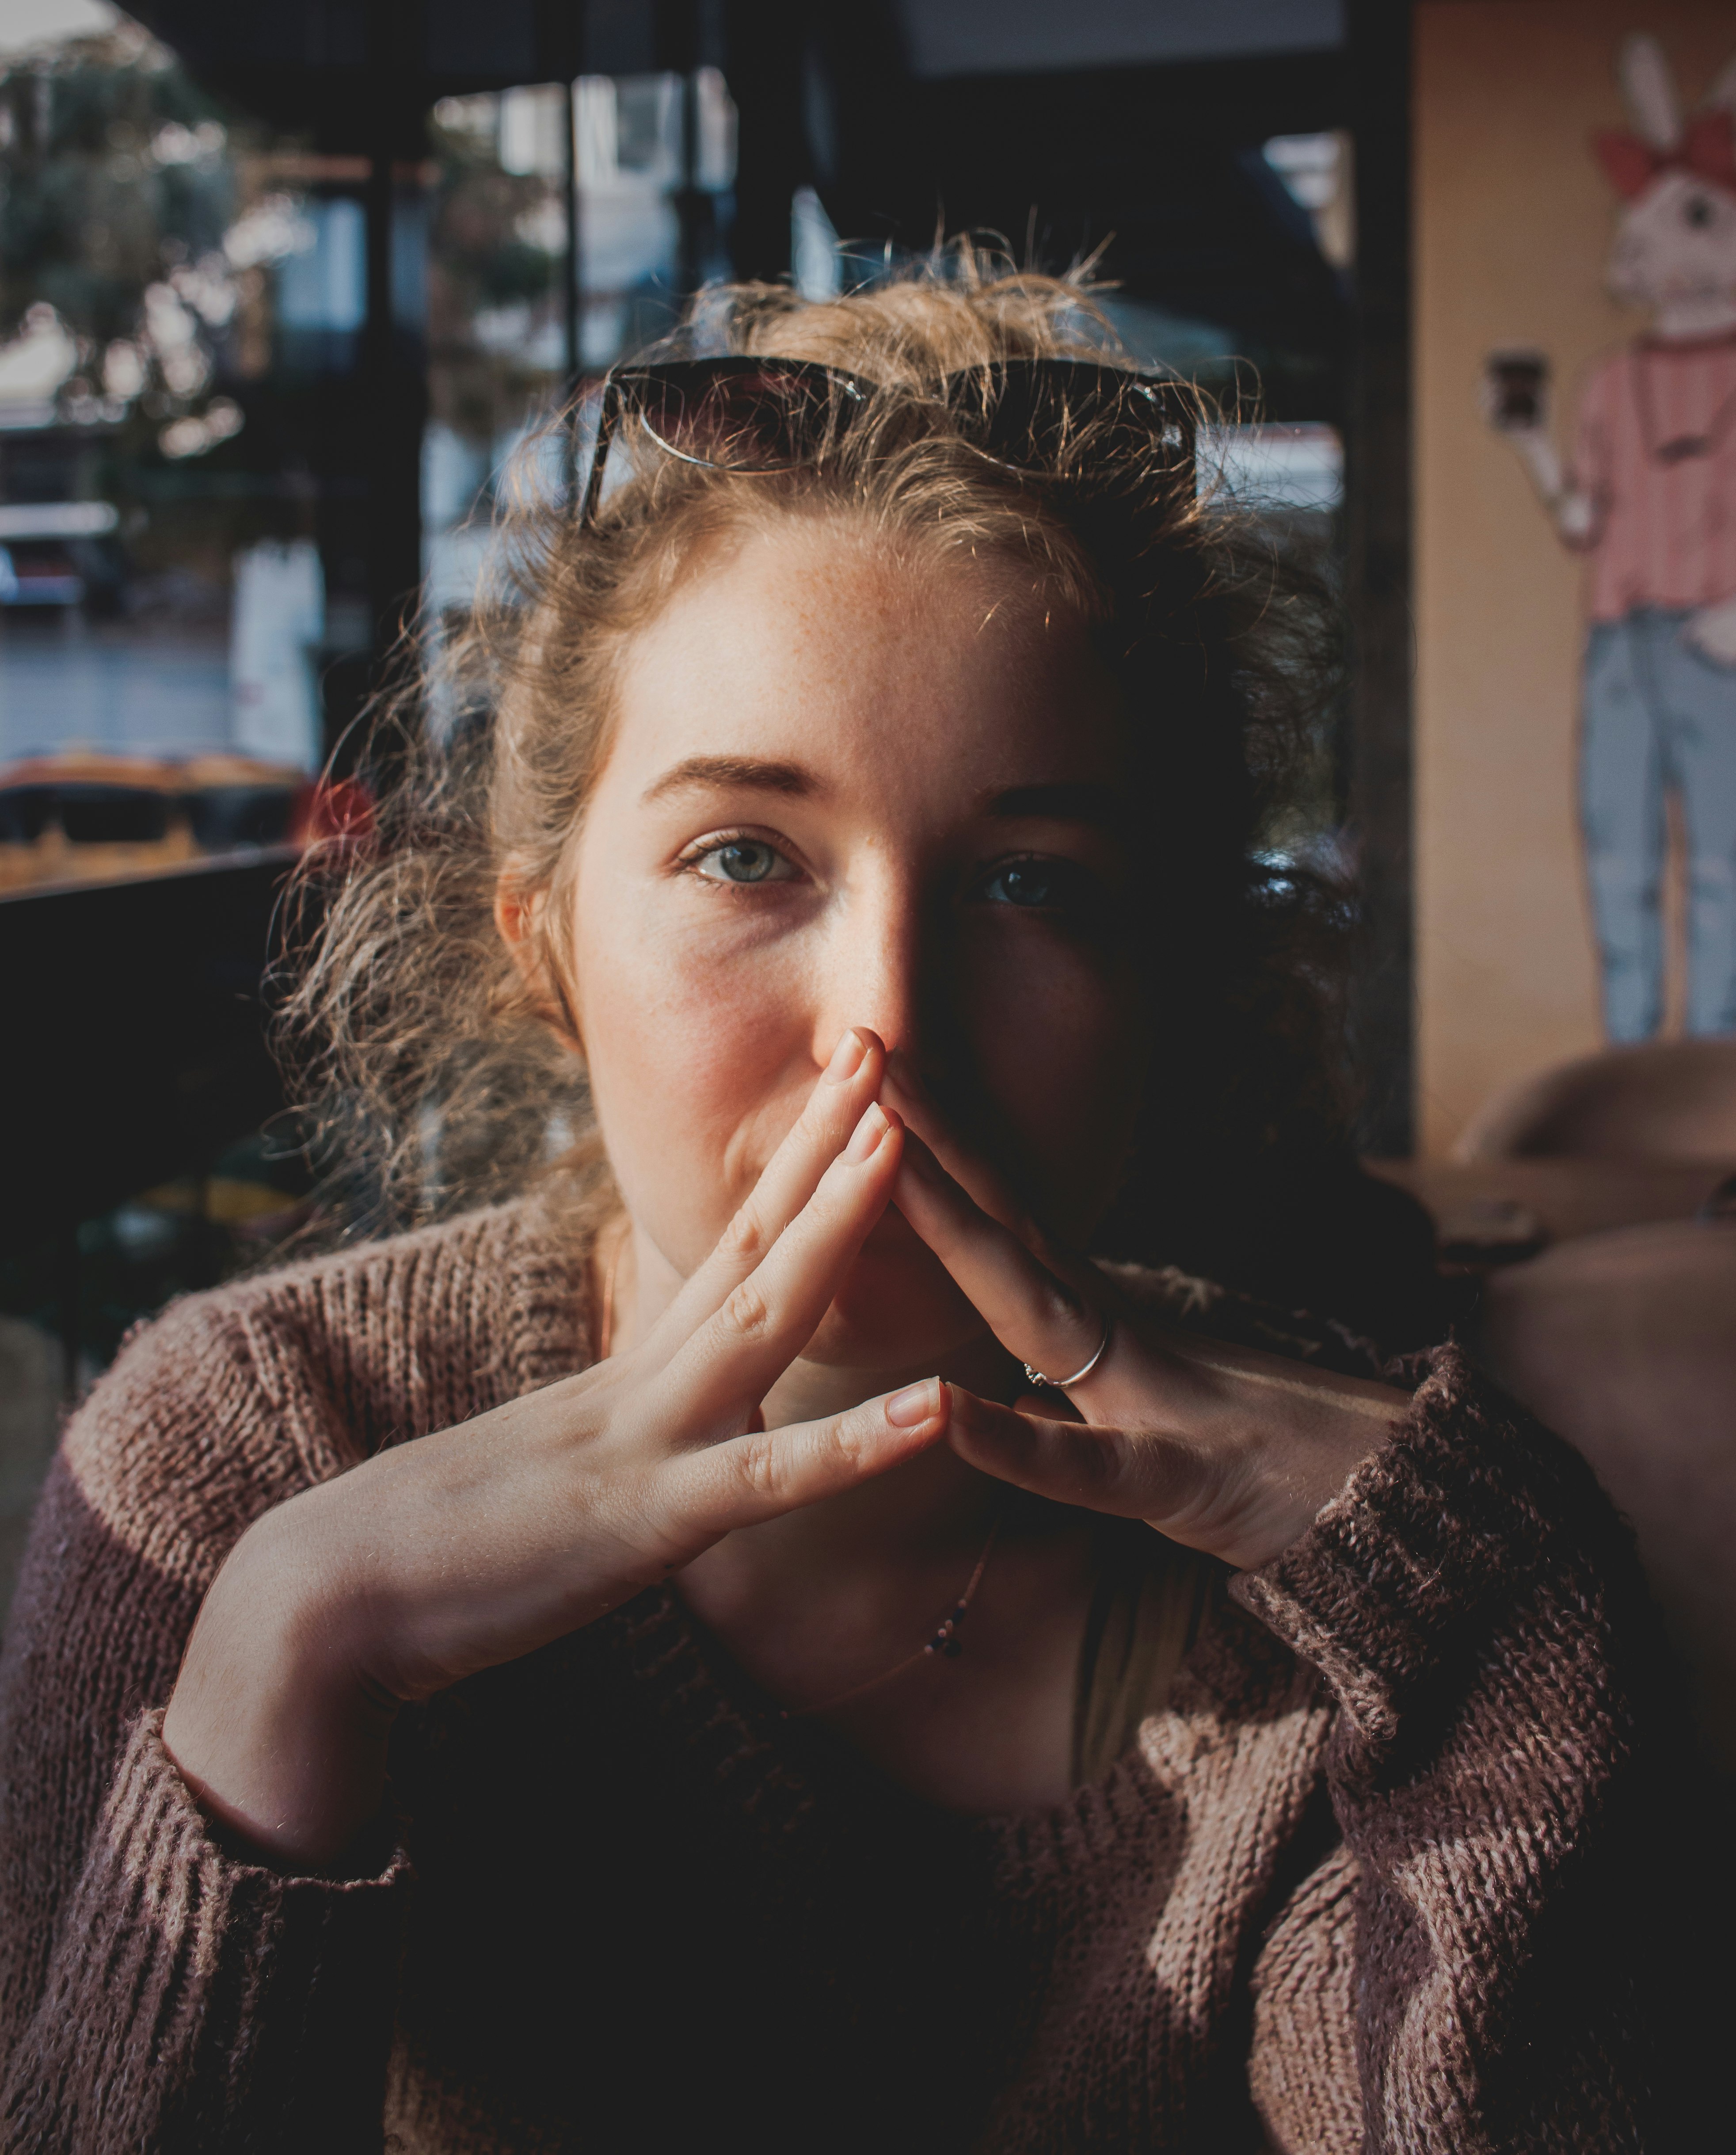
{"x": 757, "y": 774}
{"x": 1062, "y": 802}
{"x": 1105, "y": 806}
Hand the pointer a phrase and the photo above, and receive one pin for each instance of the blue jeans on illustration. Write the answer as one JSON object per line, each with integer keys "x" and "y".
{"x": 1659, "y": 718}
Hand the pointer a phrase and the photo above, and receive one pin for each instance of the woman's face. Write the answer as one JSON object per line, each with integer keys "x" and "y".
{"x": 849, "y": 789}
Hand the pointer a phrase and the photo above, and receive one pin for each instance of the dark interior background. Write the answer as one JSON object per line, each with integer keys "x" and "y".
{"x": 1129, "y": 132}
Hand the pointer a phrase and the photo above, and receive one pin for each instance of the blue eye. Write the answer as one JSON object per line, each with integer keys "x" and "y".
{"x": 1050, "y": 884}
{"x": 743, "y": 860}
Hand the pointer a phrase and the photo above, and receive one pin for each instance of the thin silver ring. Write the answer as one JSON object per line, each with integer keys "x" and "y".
{"x": 1079, "y": 1376}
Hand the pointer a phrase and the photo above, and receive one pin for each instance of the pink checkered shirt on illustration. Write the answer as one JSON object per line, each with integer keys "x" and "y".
{"x": 1656, "y": 453}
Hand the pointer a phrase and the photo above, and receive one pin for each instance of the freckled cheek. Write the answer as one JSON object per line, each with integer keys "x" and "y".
{"x": 1063, "y": 1044}
{"x": 699, "y": 1063}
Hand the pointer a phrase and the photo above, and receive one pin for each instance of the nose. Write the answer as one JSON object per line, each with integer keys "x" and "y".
{"x": 877, "y": 966}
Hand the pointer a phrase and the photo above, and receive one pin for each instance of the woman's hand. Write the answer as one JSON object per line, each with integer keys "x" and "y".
{"x": 472, "y": 1546}
{"x": 1224, "y": 1448}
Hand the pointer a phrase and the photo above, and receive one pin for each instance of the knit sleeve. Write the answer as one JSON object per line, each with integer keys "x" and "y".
{"x": 156, "y": 1991}
{"x": 1484, "y": 1943}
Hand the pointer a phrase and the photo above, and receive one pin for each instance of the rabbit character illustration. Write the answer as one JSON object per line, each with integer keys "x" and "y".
{"x": 1648, "y": 497}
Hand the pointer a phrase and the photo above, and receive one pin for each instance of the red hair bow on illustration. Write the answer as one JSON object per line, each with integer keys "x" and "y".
{"x": 1707, "y": 151}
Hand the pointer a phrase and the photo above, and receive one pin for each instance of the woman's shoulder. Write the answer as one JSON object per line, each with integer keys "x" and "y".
{"x": 426, "y": 1327}
{"x": 284, "y": 1379}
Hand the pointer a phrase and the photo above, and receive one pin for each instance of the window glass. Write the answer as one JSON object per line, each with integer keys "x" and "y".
{"x": 514, "y": 324}
{"x": 182, "y": 289}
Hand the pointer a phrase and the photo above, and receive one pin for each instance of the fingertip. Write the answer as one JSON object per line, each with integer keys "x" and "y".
{"x": 963, "y": 1412}
{"x": 981, "y": 1431}
{"x": 927, "y": 1401}
{"x": 859, "y": 1050}
{"x": 868, "y": 1136}
{"x": 847, "y": 1057}
{"x": 878, "y": 1137}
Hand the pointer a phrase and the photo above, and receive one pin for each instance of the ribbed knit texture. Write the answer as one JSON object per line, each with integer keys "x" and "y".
{"x": 1372, "y": 1881}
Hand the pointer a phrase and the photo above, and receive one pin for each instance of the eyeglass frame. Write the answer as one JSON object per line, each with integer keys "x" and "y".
{"x": 1171, "y": 415}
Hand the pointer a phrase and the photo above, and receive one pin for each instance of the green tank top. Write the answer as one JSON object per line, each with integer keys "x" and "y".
{"x": 1145, "y": 1612}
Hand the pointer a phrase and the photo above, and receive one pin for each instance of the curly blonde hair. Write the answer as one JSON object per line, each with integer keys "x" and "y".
{"x": 442, "y": 1074}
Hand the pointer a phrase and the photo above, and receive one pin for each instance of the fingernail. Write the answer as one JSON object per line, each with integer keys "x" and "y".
{"x": 869, "y": 1132}
{"x": 846, "y": 1057}
{"x": 915, "y": 1403}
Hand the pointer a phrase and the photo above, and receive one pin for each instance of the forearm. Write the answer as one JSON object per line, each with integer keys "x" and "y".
{"x": 274, "y": 1725}
{"x": 131, "y": 1937}
{"x": 196, "y": 2000}
{"x": 1476, "y": 1610}
{"x": 1298, "y": 1398}
{"x": 353, "y": 1598}
{"x": 1288, "y": 1438}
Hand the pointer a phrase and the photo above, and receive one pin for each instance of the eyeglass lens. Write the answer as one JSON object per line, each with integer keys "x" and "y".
{"x": 766, "y": 418}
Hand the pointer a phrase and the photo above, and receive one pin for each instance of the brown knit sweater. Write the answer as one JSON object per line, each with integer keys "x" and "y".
{"x": 1368, "y": 1882}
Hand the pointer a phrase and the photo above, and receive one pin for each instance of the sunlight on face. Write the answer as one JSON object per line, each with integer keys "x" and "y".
{"x": 849, "y": 789}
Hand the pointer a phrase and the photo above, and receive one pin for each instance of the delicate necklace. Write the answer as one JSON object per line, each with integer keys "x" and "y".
{"x": 946, "y": 1641}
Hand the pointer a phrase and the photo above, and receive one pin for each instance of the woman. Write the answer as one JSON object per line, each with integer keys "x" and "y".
{"x": 684, "y": 1653}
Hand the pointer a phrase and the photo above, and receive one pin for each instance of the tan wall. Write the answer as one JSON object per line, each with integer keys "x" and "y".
{"x": 1513, "y": 219}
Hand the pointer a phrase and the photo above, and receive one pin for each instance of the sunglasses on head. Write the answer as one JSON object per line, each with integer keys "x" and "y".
{"x": 761, "y": 416}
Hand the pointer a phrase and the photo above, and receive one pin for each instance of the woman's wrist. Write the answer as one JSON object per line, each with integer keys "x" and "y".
{"x": 274, "y": 1723}
{"x": 1289, "y": 1436}
{"x": 1250, "y": 1378}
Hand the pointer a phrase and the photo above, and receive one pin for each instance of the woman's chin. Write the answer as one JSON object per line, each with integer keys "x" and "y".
{"x": 898, "y": 1308}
